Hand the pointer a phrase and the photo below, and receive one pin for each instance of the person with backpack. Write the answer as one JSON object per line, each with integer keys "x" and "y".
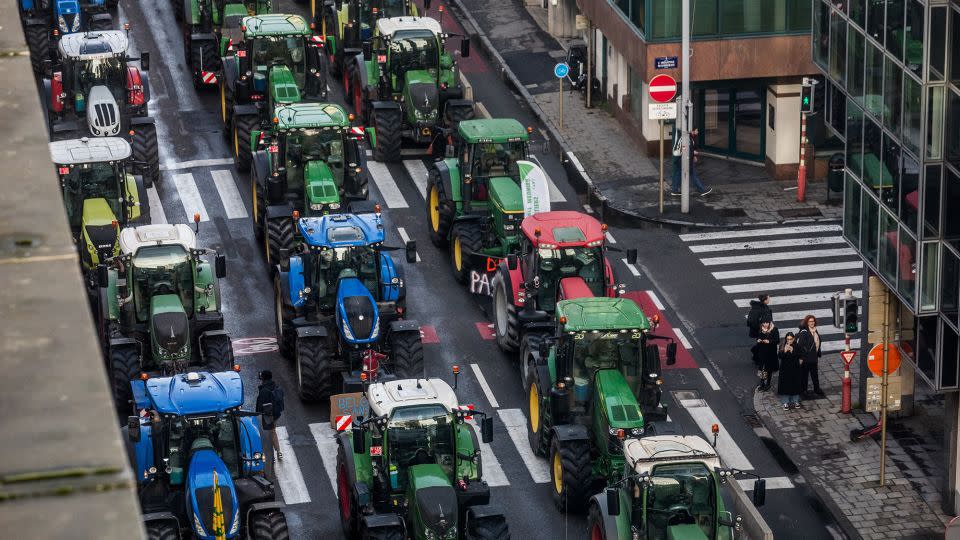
{"x": 694, "y": 156}
{"x": 270, "y": 392}
{"x": 759, "y": 311}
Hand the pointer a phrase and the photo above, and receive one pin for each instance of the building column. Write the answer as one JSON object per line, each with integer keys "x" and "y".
{"x": 562, "y": 18}
{"x": 782, "y": 152}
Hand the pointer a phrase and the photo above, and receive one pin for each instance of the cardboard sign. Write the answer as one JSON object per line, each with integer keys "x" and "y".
{"x": 534, "y": 188}
{"x": 353, "y": 404}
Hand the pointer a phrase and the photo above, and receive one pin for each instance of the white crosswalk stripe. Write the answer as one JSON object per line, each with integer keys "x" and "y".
{"x": 190, "y": 196}
{"x": 389, "y": 191}
{"x": 229, "y": 194}
{"x": 326, "y": 440}
{"x": 292, "y": 486}
{"x": 157, "y": 215}
{"x": 418, "y": 173}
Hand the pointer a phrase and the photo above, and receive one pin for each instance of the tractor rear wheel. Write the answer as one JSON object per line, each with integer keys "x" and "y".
{"x": 259, "y": 205}
{"x": 388, "y": 123}
{"x": 570, "y": 474}
{"x": 528, "y": 346}
{"x": 217, "y": 353}
{"x": 145, "y": 148}
{"x": 313, "y": 369}
{"x": 226, "y": 107}
{"x": 38, "y": 42}
{"x": 284, "y": 314}
{"x": 242, "y": 127}
{"x": 440, "y": 210}
{"x": 279, "y": 236}
{"x": 454, "y": 115}
{"x": 268, "y": 525}
{"x": 489, "y": 528}
{"x": 348, "y": 514}
{"x": 162, "y": 530}
{"x": 595, "y": 526}
{"x": 124, "y": 366}
{"x": 407, "y": 355}
{"x": 536, "y": 434}
{"x": 505, "y": 323}
{"x": 466, "y": 239}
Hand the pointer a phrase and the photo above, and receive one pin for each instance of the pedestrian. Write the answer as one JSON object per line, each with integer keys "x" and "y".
{"x": 271, "y": 393}
{"x": 808, "y": 345}
{"x": 791, "y": 373}
{"x": 766, "y": 356}
{"x": 694, "y": 156}
{"x": 759, "y": 311}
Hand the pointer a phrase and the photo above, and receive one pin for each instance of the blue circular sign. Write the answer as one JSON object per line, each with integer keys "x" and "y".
{"x": 560, "y": 70}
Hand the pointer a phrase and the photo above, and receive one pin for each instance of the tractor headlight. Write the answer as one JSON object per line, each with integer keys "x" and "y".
{"x": 395, "y": 280}
{"x": 428, "y": 534}
{"x": 62, "y": 23}
{"x": 509, "y": 227}
{"x": 257, "y": 456}
{"x": 235, "y": 527}
{"x": 76, "y": 23}
{"x": 636, "y": 432}
{"x": 316, "y": 206}
{"x": 334, "y": 206}
{"x": 198, "y": 526}
{"x": 376, "y": 331}
{"x": 346, "y": 331}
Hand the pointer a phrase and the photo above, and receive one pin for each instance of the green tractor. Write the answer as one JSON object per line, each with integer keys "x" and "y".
{"x": 347, "y": 24}
{"x": 412, "y": 470}
{"x": 407, "y": 86}
{"x": 159, "y": 307}
{"x": 278, "y": 62}
{"x": 592, "y": 380}
{"x": 673, "y": 488}
{"x": 310, "y": 162}
{"x": 100, "y": 194}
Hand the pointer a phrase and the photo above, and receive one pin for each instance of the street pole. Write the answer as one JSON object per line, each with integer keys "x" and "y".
{"x": 661, "y": 166}
{"x": 561, "y": 102}
{"x": 684, "y": 114}
{"x": 802, "y": 171}
{"x": 847, "y": 383}
{"x": 883, "y": 389}
{"x": 590, "y": 54}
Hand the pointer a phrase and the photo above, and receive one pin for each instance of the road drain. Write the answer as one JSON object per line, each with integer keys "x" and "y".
{"x": 752, "y": 420}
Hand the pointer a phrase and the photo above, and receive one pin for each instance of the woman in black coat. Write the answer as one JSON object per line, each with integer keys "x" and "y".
{"x": 808, "y": 344}
{"x": 791, "y": 374}
{"x": 767, "y": 340}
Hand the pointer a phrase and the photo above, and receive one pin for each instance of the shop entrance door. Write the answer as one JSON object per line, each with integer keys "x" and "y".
{"x": 731, "y": 121}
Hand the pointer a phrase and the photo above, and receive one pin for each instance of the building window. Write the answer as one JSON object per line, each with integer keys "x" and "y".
{"x": 907, "y": 267}
{"x": 892, "y": 96}
{"x": 636, "y": 95}
{"x": 890, "y": 174}
{"x": 837, "y": 108}
{"x": 857, "y": 12}
{"x": 912, "y": 114}
{"x": 633, "y": 10}
{"x": 851, "y": 211}
{"x": 951, "y": 216}
{"x": 666, "y": 18}
{"x": 938, "y": 44}
{"x": 798, "y": 15}
{"x": 952, "y": 139}
{"x": 927, "y": 346}
{"x": 869, "y": 228}
{"x": 930, "y": 267}
{"x": 895, "y": 28}
{"x": 949, "y": 284}
{"x": 821, "y": 33}
{"x": 914, "y": 37}
{"x": 876, "y": 175}
{"x": 909, "y": 196}
{"x": 889, "y": 246}
{"x": 948, "y": 357}
{"x": 955, "y": 49}
{"x": 931, "y": 201}
{"x": 854, "y": 139}
{"x": 935, "y": 123}
{"x": 873, "y": 93}
{"x": 753, "y": 16}
{"x": 856, "y": 63}
{"x": 838, "y": 47}
{"x": 875, "y": 24}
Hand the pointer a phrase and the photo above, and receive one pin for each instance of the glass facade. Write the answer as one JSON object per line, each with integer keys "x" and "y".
{"x": 895, "y": 65}
{"x": 659, "y": 20}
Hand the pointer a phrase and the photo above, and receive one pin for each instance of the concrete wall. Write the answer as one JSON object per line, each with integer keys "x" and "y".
{"x": 561, "y": 18}
{"x": 783, "y": 139}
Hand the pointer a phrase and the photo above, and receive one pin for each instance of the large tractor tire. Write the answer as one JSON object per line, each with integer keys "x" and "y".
{"x": 242, "y": 127}
{"x": 407, "y": 355}
{"x": 259, "y": 204}
{"x": 268, "y": 525}
{"x": 99, "y": 24}
{"x": 528, "y": 346}
{"x": 489, "y": 528}
{"x": 162, "y": 530}
{"x": 537, "y": 428}
{"x": 454, "y": 115}
{"x": 359, "y": 103}
{"x": 440, "y": 210}
{"x": 313, "y": 369}
{"x": 596, "y": 529}
{"x": 383, "y": 533}
{"x": 347, "y": 71}
{"x": 146, "y": 149}
{"x": 279, "y": 235}
{"x": 571, "y": 478}
{"x": 506, "y": 327}
{"x": 38, "y": 42}
{"x": 124, "y": 367}
{"x": 226, "y": 107}
{"x": 283, "y": 317}
{"x": 388, "y": 123}
{"x": 466, "y": 238}
{"x": 349, "y": 517}
{"x": 217, "y": 353}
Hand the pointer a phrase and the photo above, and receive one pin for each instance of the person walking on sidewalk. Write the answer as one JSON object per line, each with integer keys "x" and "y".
{"x": 808, "y": 344}
{"x": 759, "y": 311}
{"x": 766, "y": 353}
{"x": 791, "y": 373}
{"x": 270, "y": 393}
{"x": 694, "y": 156}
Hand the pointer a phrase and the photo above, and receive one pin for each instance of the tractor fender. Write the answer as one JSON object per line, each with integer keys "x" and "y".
{"x": 312, "y": 331}
{"x": 451, "y": 104}
{"x": 609, "y": 522}
{"x": 213, "y": 333}
{"x": 570, "y": 432}
{"x": 473, "y": 218}
{"x": 123, "y": 342}
{"x": 382, "y": 105}
{"x": 261, "y": 507}
{"x": 161, "y": 516}
{"x": 444, "y": 172}
{"x": 379, "y": 521}
{"x": 261, "y": 167}
{"x": 292, "y": 280}
{"x": 661, "y": 428}
{"x": 102, "y": 17}
{"x": 611, "y": 290}
{"x": 405, "y": 325}
{"x": 203, "y": 36}
{"x": 35, "y": 21}
{"x": 481, "y": 511}
{"x": 245, "y": 110}
{"x": 230, "y": 71}
{"x": 279, "y": 211}
{"x": 543, "y": 378}
{"x": 142, "y": 120}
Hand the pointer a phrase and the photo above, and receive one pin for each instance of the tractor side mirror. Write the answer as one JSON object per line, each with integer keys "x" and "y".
{"x": 103, "y": 276}
{"x": 632, "y": 256}
{"x": 511, "y": 262}
{"x": 359, "y": 441}
{"x": 486, "y": 429}
{"x": 651, "y": 360}
{"x": 613, "y": 501}
{"x": 267, "y": 421}
{"x": 133, "y": 428}
{"x": 220, "y": 266}
{"x": 145, "y": 61}
{"x": 759, "y": 492}
{"x": 465, "y": 47}
{"x": 671, "y": 353}
{"x": 411, "y": 248}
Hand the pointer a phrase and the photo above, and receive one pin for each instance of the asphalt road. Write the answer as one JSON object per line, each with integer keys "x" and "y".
{"x": 199, "y": 176}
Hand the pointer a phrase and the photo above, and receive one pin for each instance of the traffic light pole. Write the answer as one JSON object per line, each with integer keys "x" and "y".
{"x": 847, "y": 384}
{"x": 883, "y": 389}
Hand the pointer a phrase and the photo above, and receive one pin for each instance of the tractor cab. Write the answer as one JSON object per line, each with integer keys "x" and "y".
{"x": 277, "y": 51}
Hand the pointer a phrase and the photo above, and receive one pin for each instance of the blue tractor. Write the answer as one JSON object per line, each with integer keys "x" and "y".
{"x": 199, "y": 460}
{"x": 45, "y": 21}
{"x": 340, "y": 302}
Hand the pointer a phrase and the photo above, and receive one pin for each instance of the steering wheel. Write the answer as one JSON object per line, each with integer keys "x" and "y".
{"x": 679, "y": 515}
{"x": 163, "y": 287}
{"x": 420, "y": 457}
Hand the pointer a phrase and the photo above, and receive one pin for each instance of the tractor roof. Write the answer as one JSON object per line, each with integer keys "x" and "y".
{"x": 311, "y": 115}
{"x": 385, "y": 397}
{"x": 563, "y": 228}
{"x": 342, "y": 230}
{"x": 493, "y": 130}
{"x": 387, "y": 27}
{"x": 195, "y": 392}
{"x": 601, "y": 313}
{"x": 275, "y": 25}
{"x": 89, "y": 150}
{"x": 134, "y": 238}
{"x": 647, "y": 452}
{"x": 93, "y": 45}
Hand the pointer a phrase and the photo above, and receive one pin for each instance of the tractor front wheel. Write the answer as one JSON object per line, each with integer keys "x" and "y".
{"x": 124, "y": 367}
{"x": 571, "y": 478}
{"x": 145, "y": 149}
{"x": 268, "y": 525}
{"x": 313, "y": 369}
{"x": 488, "y": 528}
{"x": 286, "y": 333}
{"x": 454, "y": 115}
{"x": 279, "y": 236}
{"x": 595, "y": 526}
{"x": 407, "y": 351}
{"x": 440, "y": 210}
{"x": 466, "y": 239}
{"x": 348, "y": 514}
{"x": 161, "y": 530}
{"x": 388, "y": 123}
{"x": 505, "y": 323}
{"x": 38, "y": 42}
{"x": 536, "y": 423}
{"x": 217, "y": 353}
{"x": 242, "y": 127}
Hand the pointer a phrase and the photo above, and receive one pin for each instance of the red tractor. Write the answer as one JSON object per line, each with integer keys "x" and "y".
{"x": 562, "y": 256}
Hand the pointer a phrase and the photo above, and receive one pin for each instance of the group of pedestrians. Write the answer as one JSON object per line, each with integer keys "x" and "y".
{"x": 795, "y": 357}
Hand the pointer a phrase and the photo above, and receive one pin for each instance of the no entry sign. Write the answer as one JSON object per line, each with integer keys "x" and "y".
{"x": 663, "y": 88}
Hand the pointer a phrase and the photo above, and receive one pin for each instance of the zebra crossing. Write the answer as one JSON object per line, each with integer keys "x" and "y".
{"x": 801, "y": 267}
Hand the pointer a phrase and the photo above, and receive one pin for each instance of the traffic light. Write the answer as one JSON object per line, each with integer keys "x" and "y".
{"x": 837, "y": 309}
{"x": 806, "y": 98}
{"x": 850, "y": 308}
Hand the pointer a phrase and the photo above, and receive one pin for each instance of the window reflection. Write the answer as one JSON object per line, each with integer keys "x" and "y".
{"x": 931, "y": 202}
{"x": 913, "y": 45}
{"x": 912, "y": 94}
{"x": 909, "y": 196}
{"x": 856, "y": 63}
{"x": 928, "y": 283}
{"x": 892, "y": 96}
{"x": 926, "y": 348}
{"x": 907, "y": 266}
{"x": 851, "y": 211}
{"x": 949, "y": 283}
{"x": 869, "y": 223}
{"x": 938, "y": 44}
{"x": 854, "y": 138}
{"x": 895, "y": 28}
{"x": 890, "y": 246}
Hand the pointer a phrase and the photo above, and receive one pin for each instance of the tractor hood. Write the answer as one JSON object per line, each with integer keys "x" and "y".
{"x": 103, "y": 113}
{"x": 99, "y": 230}
{"x": 202, "y": 501}
{"x": 357, "y": 314}
{"x": 618, "y": 400}
{"x": 321, "y": 186}
{"x": 505, "y": 193}
{"x": 422, "y": 93}
{"x": 193, "y": 393}
{"x": 283, "y": 86}
{"x": 435, "y": 498}
{"x": 686, "y": 531}
{"x": 169, "y": 327}
{"x": 68, "y": 16}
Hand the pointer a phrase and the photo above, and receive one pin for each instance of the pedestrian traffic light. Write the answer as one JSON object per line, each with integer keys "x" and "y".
{"x": 850, "y": 309}
{"x": 806, "y": 98}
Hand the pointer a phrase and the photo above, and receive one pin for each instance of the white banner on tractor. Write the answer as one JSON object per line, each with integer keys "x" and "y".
{"x": 534, "y": 188}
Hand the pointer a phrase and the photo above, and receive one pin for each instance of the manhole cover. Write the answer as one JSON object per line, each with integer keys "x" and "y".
{"x": 800, "y": 212}
{"x": 752, "y": 420}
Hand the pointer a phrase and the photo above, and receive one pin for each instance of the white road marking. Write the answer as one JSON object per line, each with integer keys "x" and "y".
{"x": 784, "y": 270}
{"x": 485, "y": 387}
{"x": 190, "y": 196}
{"x": 492, "y": 471}
{"x": 751, "y": 233}
{"x": 683, "y": 339}
{"x": 730, "y": 453}
{"x": 406, "y": 238}
{"x": 176, "y": 166}
{"x": 157, "y": 215}
{"x": 418, "y": 172}
{"x": 767, "y": 244}
{"x": 632, "y": 268}
{"x": 325, "y": 438}
{"x": 779, "y": 256}
{"x": 777, "y": 300}
{"x": 392, "y": 198}
{"x": 709, "y": 377}
{"x": 794, "y": 284}
{"x": 834, "y": 346}
{"x": 795, "y": 316}
{"x": 610, "y": 238}
{"x": 555, "y": 194}
{"x": 656, "y": 299}
{"x": 229, "y": 194}
{"x": 776, "y": 482}
{"x": 516, "y": 424}
{"x": 292, "y": 486}
{"x": 588, "y": 209}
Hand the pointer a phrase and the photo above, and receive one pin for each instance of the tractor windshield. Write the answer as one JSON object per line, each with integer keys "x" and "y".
{"x": 109, "y": 72}
{"x": 334, "y": 264}
{"x": 393, "y": 8}
{"x": 420, "y": 435}
{"x": 90, "y": 181}
{"x": 413, "y": 50}
{"x": 315, "y": 145}
{"x": 184, "y": 435}
{"x": 288, "y": 51}
{"x": 162, "y": 269}
{"x": 491, "y": 160}
{"x": 581, "y": 261}
{"x": 596, "y": 350}
{"x": 680, "y": 494}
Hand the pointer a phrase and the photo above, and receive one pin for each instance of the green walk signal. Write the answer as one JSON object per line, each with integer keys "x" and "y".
{"x": 806, "y": 99}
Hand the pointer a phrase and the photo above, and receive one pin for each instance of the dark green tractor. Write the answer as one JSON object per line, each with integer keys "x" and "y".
{"x": 203, "y": 39}
{"x": 412, "y": 470}
{"x": 347, "y": 24}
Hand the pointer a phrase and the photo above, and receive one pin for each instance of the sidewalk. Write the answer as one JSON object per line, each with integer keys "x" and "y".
{"x": 619, "y": 177}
